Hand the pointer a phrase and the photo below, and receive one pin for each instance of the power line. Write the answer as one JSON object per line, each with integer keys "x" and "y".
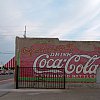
{"x": 8, "y": 35}
{"x": 11, "y": 26}
{"x": 6, "y": 52}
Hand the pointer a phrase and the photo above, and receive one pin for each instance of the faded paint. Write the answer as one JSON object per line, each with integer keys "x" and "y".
{"x": 80, "y": 59}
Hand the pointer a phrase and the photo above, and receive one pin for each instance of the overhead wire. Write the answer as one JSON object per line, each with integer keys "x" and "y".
{"x": 6, "y": 52}
{"x": 21, "y": 32}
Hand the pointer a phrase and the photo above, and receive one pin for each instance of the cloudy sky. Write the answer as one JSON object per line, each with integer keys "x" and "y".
{"x": 63, "y": 19}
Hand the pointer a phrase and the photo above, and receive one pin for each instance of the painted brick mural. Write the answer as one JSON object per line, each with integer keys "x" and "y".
{"x": 80, "y": 61}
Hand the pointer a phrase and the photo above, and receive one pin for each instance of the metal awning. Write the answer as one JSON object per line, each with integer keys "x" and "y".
{"x": 10, "y": 63}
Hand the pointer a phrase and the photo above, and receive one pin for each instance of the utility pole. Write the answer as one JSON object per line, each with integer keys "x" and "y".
{"x": 25, "y": 32}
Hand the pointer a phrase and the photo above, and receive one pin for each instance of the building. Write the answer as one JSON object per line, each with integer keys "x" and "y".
{"x": 79, "y": 59}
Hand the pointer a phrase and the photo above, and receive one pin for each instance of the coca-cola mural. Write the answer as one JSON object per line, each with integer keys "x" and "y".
{"x": 78, "y": 64}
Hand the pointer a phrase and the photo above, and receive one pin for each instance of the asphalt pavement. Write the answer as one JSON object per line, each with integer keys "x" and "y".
{"x": 47, "y": 94}
{"x": 5, "y": 77}
{"x": 7, "y": 92}
{"x": 6, "y": 82}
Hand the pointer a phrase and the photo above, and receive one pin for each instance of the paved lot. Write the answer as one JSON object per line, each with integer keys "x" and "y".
{"x": 6, "y": 84}
{"x": 4, "y": 77}
{"x": 7, "y": 92}
{"x": 68, "y": 94}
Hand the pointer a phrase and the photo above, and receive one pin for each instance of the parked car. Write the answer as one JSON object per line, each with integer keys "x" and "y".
{"x": 10, "y": 71}
{"x": 6, "y": 72}
{"x": 2, "y": 72}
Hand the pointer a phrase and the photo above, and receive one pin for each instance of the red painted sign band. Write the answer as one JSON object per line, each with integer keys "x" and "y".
{"x": 77, "y": 63}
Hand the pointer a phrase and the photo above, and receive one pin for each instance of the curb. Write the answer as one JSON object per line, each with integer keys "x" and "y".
{"x": 32, "y": 90}
{"x": 6, "y": 80}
